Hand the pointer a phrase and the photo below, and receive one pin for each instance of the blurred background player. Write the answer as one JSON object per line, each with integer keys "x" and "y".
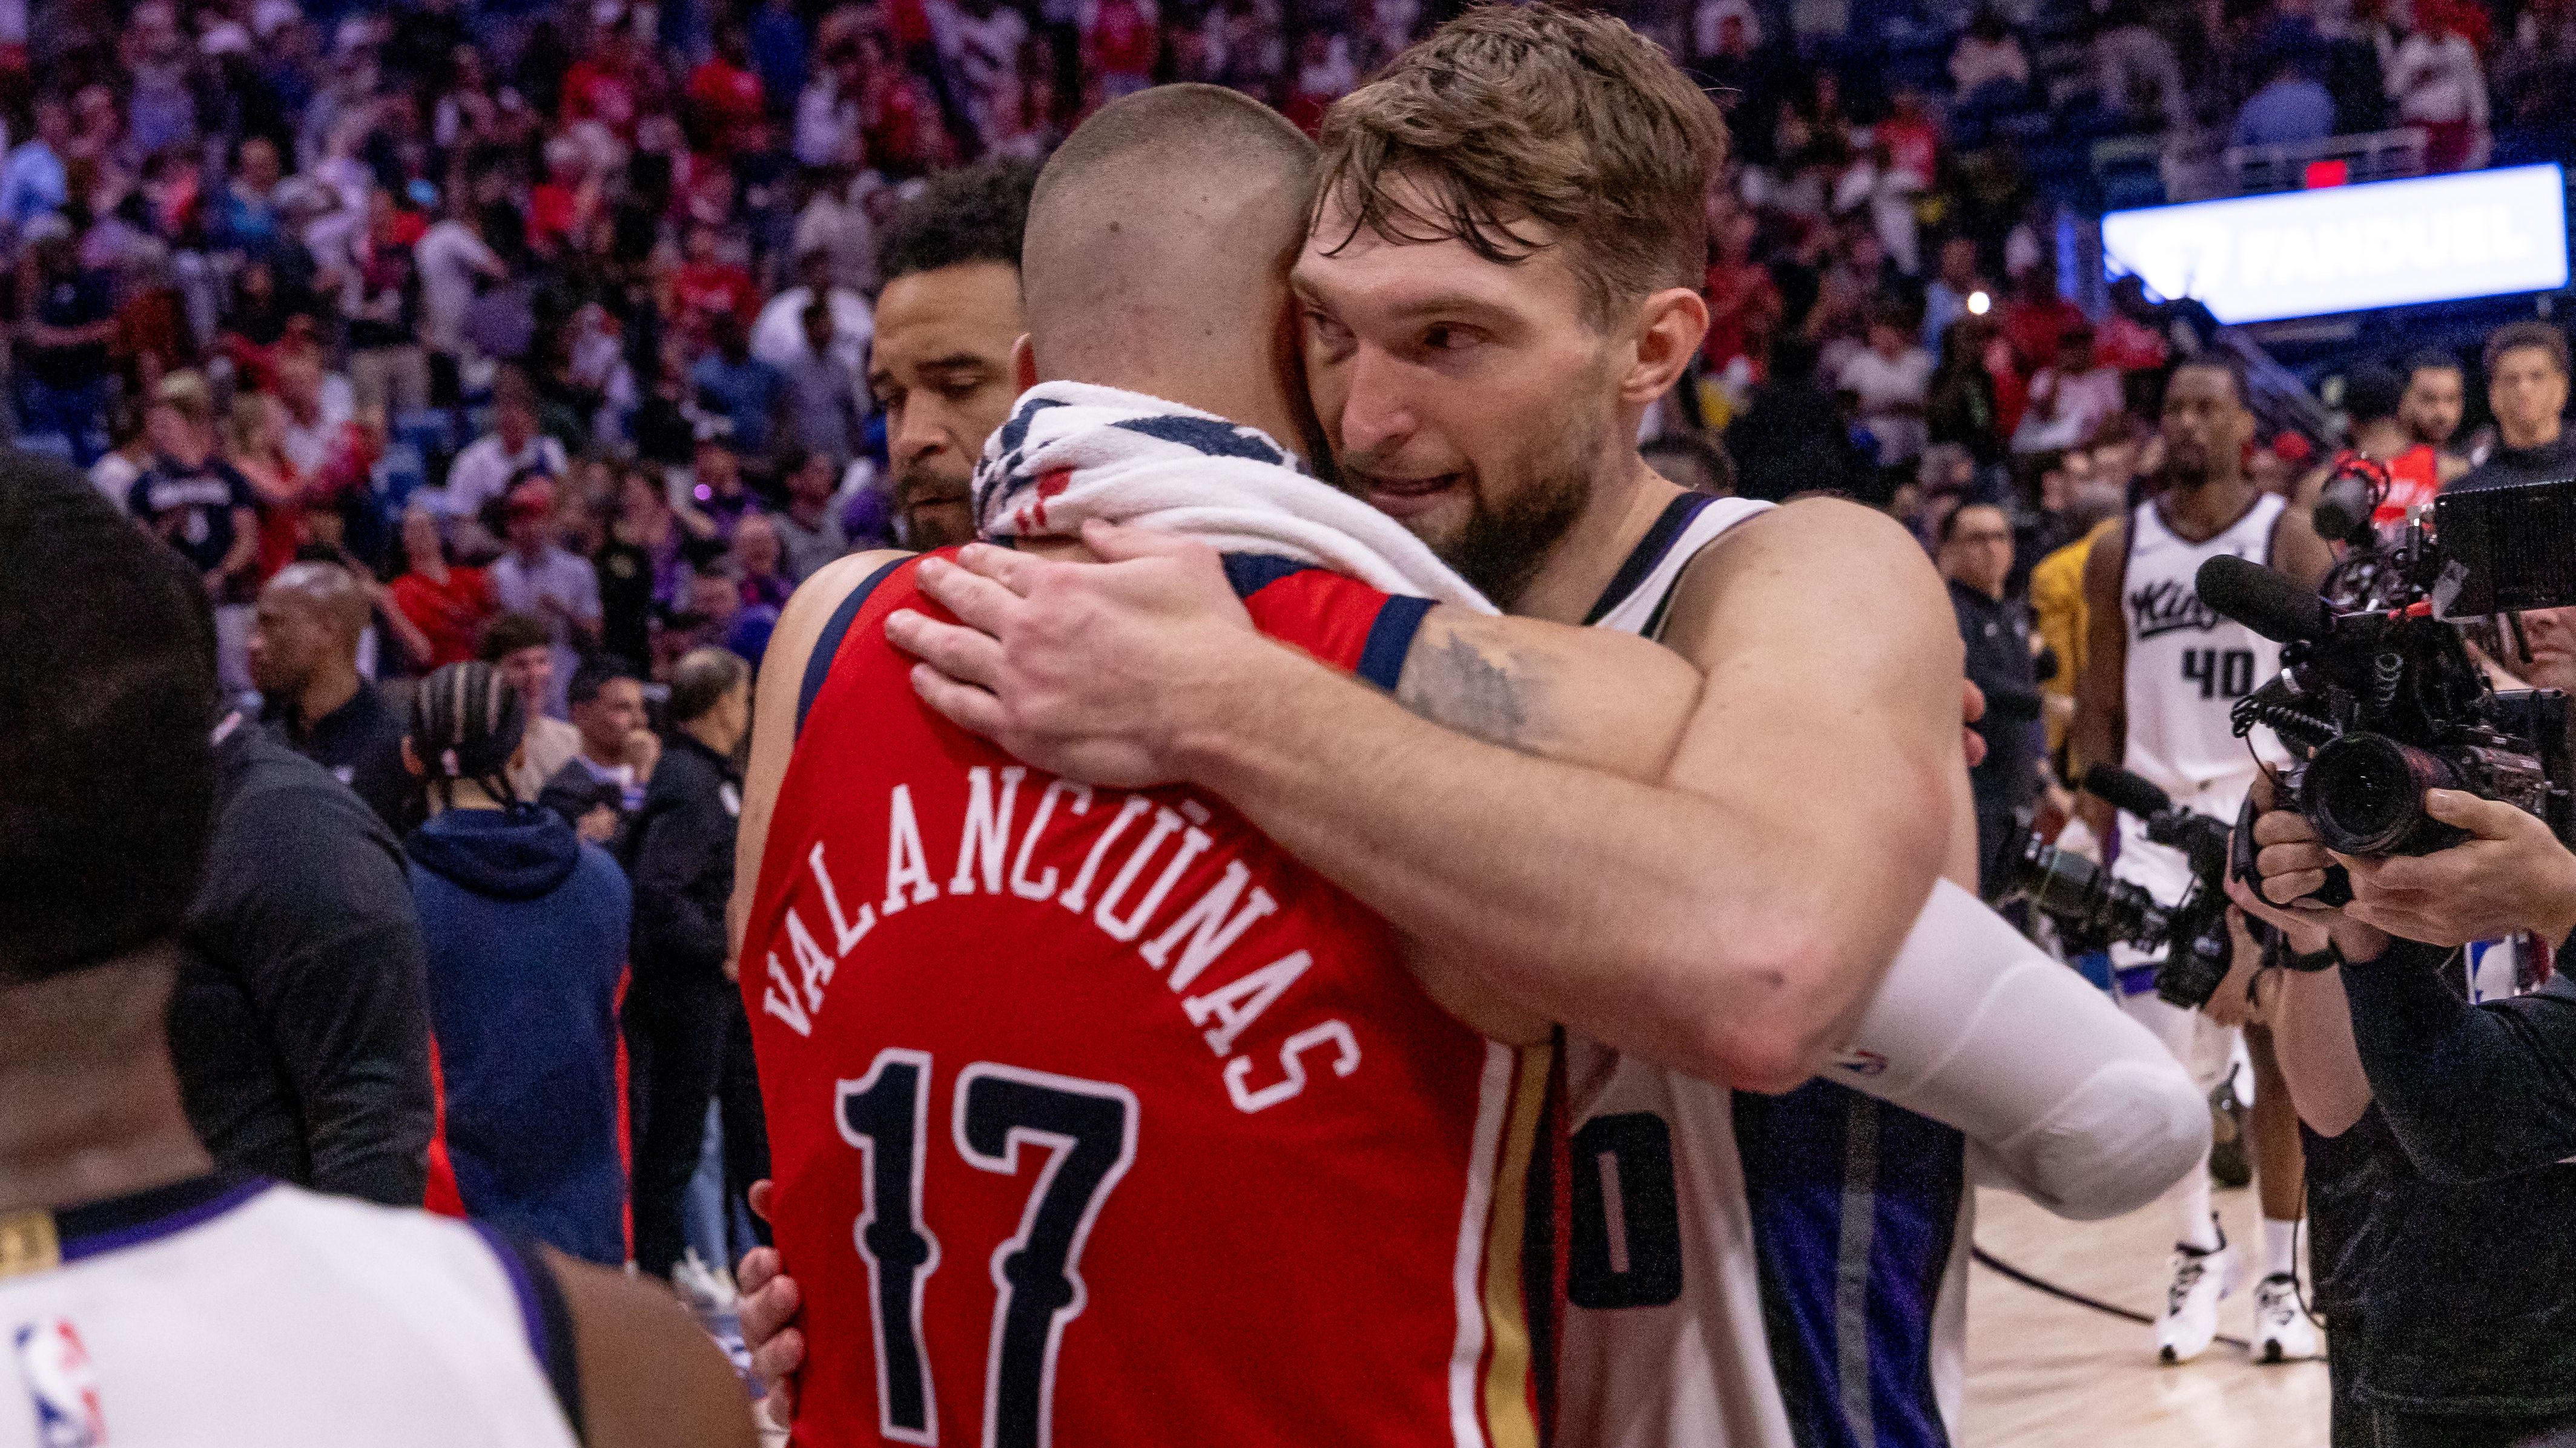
{"x": 2161, "y": 670}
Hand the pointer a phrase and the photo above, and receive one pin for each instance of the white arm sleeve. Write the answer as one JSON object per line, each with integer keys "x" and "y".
{"x": 2072, "y": 1103}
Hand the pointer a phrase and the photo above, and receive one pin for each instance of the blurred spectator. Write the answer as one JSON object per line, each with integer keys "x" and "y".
{"x": 2069, "y": 398}
{"x": 2037, "y": 318}
{"x": 808, "y": 532}
{"x": 1953, "y": 289}
{"x": 716, "y": 490}
{"x": 62, "y": 355}
{"x": 387, "y": 366}
{"x": 299, "y": 1026}
{"x": 315, "y": 407}
{"x": 641, "y": 548}
{"x": 193, "y": 499}
{"x": 32, "y": 180}
{"x": 825, "y": 393}
{"x": 2135, "y": 70}
{"x": 254, "y": 443}
{"x": 2372, "y": 398}
{"x": 303, "y": 658}
{"x": 2290, "y": 110}
{"x": 2526, "y": 366}
{"x": 1976, "y": 555}
{"x": 602, "y": 786}
{"x": 1120, "y": 39}
{"x": 1792, "y": 437}
{"x": 2441, "y": 88}
{"x": 2435, "y": 399}
{"x": 511, "y": 453}
{"x": 1988, "y": 66}
{"x": 759, "y": 564}
{"x": 1892, "y": 379}
{"x": 1961, "y": 407}
{"x": 451, "y": 257}
{"x": 2127, "y": 337}
{"x": 684, "y": 1023}
{"x": 988, "y": 37}
{"x": 781, "y": 332}
{"x": 748, "y": 394}
{"x": 527, "y": 932}
{"x": 539, "y": 578}
{"x": 447, "y": 602}
{"x": 519, "y": 645}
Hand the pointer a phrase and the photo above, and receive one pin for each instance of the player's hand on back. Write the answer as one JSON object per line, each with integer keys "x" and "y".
{"x": 769, "y": 1307}
{"x": 1097, "y": 671}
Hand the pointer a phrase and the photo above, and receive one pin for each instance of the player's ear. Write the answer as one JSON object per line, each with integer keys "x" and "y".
{"x": 1669, "y": 325}
{"x": 1024, "y": 364}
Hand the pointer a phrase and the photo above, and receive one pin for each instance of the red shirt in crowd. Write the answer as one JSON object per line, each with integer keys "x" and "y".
{"x": 1913, "y": 146}
{"x": 2034, "y": 329}
{"x": 451, "y": 613}
{"x": 1735, "y": 292}
{"x": 708, "y": 287}
{"x": 595, "y": 91}
{"x": 728, "y": 102}
{"x": 1123, "y": 41}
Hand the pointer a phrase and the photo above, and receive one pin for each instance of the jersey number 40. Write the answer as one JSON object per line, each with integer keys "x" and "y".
{"x": 1088, "y": 1129}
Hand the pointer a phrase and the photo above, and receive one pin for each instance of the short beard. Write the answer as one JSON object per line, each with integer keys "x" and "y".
{"x": 1501, "y": 547}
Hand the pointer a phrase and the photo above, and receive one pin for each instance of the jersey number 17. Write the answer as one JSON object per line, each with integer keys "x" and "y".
{"x": 1088, "y": 1129}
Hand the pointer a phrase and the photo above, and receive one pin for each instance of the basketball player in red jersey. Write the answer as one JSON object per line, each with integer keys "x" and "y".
{"x": 1199, "y": 1155}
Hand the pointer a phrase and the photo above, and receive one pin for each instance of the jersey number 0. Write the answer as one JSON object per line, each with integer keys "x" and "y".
{"x": 1088, "y": 1129}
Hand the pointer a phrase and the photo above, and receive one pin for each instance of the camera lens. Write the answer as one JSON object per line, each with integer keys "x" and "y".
{"x": 2365, "y": 793}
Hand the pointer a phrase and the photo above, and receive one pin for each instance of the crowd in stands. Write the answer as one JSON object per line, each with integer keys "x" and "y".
{"x": 516, "y": 354}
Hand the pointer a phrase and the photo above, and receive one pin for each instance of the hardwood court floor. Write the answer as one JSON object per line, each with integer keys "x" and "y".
{"x": 2048, "y": 1374}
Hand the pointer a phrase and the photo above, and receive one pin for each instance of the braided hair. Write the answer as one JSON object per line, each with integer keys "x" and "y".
{"x": 466, "y": 722}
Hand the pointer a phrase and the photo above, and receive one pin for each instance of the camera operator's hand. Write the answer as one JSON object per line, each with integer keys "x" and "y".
{"x": 2232, "y": 1004}
{"x": 2290, "y": 864}
{"x": 2309, "y": 927}
{"x": 2512, "y": 875}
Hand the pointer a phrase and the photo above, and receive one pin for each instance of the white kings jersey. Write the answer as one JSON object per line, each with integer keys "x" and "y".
{"x": 1751, "y": 1271}
{"x": 2187, "y": 667}
{"x": 235, "y": 1313}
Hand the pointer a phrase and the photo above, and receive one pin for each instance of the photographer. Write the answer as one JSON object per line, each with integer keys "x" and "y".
{"x": 2440, "y": 1117}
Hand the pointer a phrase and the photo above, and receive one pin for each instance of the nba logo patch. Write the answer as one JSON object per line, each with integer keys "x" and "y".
{"x": 61, "y": 1384}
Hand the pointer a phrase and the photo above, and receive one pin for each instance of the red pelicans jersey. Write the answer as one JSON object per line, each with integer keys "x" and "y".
{"x": 1099, "y": 1120}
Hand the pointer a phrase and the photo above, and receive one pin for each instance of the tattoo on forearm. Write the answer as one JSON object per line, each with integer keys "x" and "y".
{"x": 1488, "y": 695}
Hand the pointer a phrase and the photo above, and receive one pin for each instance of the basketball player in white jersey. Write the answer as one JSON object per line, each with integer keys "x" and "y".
{"x": 1484, "y": 386}
{"x": 2161, "y": 672}
{"x": 147, "y": 1300}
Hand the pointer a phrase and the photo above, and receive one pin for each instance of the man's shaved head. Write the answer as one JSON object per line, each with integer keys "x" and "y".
{"x": 1157, "y": 254}
{"x": 306, "y": 629}
{"x": 327, "y": 592}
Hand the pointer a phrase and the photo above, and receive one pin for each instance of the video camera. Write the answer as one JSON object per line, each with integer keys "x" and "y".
{"x": 2384, "y": 702}
{"x": 2093, "y": 910}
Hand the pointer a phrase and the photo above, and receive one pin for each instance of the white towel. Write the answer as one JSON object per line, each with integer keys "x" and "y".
{"x": 1072, "y": 452}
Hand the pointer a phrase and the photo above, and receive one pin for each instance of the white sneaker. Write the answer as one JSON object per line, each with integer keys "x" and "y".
{"x": 2282, "y": 1331}
{"x": 2190, "y": 1322}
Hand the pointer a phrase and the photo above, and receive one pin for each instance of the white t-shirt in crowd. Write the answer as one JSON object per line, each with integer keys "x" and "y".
{"x": 448, "y": 255}
{"x": 1884, "y": 386}
{"x": 483, "y": 471}
{"x": 778, "y": 337}
{"x": 2084, "y": 402}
